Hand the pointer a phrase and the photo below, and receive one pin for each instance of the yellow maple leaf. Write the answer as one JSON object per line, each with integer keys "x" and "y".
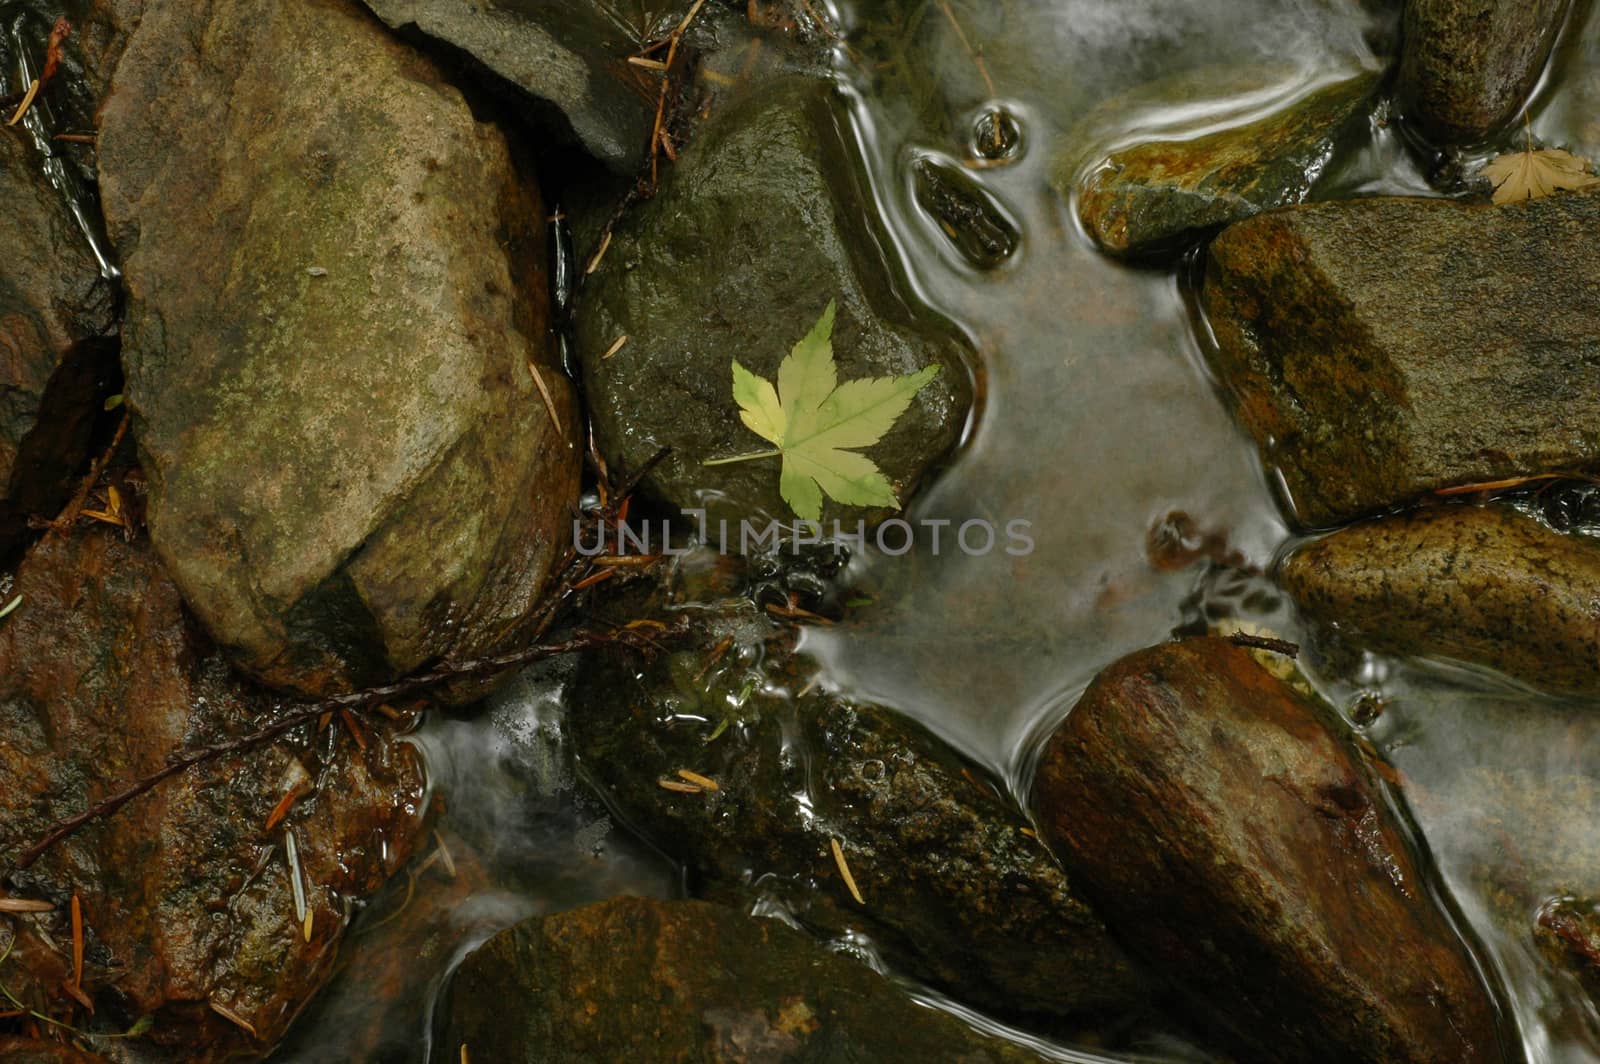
{"x": 1530, "y": 174}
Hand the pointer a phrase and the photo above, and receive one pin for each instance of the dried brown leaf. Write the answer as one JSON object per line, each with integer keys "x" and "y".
{"x": 1530, "y": 174}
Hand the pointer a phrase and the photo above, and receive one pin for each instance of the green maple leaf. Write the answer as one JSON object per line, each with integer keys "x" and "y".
{"x": 814, "y": 421}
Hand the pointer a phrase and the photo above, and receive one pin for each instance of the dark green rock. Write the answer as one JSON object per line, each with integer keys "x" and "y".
{"x": 957, "y": 890}
{"x": 1467, "y": 67}
{"x": 1481, "y": 584}
{"x": 352, "y": 469}
{"x": 58, "y": 347}
{"x": 1164, "y": 196}
{"x": 1248, "y": 852}
{"x": 684, "y": 981}
{"x": 1380, "y": 349}
{"x": 756, "y": 228}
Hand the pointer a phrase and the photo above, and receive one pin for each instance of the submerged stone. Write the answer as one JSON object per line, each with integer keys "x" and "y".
{"x": 1164, "y": 196}
{"x": 1380, "y": 349}
{"x": 965, "y": 213}
{"x": 631, "y": 979}
{"x": 1481, "y": 584}
{"x": 58, "y": 348}
{"x": 1247, "y": 851}
{"x": 956, "y": 889}
{"x": 1467, "y": 67}
{"x": 336, "y": 312}
{"x": 756, "y": 228}
{"x": 186, "y": 896}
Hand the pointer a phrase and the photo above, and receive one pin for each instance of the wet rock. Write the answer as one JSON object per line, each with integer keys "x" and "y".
{"x": 32, "y": 1051}
{"x": 1568, "y": 932}
{"x": 685, "y": 981}
{"x": 58, "y": 348}
{"x": 572, "y": 55}
{"x": 1467, "y": 67}
{"x": 957, "y": 891}
{"x": 1245, "y": 850}
{"x": 1164, "y": 196}
{"x": 965, "y": 213}
{"x": 186, "y": 896}
{"x": 1481, "y": 584}
{"x": 756, "y": 228}
{"x": 1382, "y": 348}
{"x": 353, "y": 471}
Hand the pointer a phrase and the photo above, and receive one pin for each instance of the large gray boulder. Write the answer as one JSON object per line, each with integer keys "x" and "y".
{"x": 1380, "y": 349}
{"x": 336, "y": 308}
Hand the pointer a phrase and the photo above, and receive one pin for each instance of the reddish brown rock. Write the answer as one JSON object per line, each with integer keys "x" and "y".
{"x": 1235, "y": 842}
{"x": 186, "y": 897}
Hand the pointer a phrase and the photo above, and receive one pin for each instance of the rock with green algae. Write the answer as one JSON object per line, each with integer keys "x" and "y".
{"x": 1165, "y": 196}
{"x": 335, "y": 292}
{"x": 1467, "y": 67}
{"x": 685, "y": 981}
{"x": 1483, "y": 584}
{"x": 1380, "y": 349}
{"x": 1240, "y": 845}
{"x": 956, "y": 889}
{"x": 758, "y": 226}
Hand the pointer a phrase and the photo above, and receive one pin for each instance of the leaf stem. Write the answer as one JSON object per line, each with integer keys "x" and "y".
{"x": 742, "y": 458}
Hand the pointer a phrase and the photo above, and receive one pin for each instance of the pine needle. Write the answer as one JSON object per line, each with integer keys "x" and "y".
{"x": 549, "y": 402}
{"x": 844, "y": 871}
{"x": 27, "y": 102}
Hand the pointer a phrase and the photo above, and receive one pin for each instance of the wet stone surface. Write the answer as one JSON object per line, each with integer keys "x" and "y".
{"x": 1486, "y": 585}
{"x": 1379, "y": 349}
{"x": 1245, "y": 849}
{"x": 187, "y": 898}
{"x": 955, "y": 888}
{"x": 1468, "y": 66}
{"x": 755, "y": 230}
{"x": 1164, "y": 196}
{"x": 353, "y": 469}
{"x": 631, "y": 979}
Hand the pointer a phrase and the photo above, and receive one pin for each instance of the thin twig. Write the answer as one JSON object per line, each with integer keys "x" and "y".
{"x": 1267, "y": 643}
{"x": 64, "y": 521}
{"x": 583, "y": 640}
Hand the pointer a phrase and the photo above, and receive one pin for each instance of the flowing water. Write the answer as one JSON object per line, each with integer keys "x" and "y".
{"x": 1100, "y": 426}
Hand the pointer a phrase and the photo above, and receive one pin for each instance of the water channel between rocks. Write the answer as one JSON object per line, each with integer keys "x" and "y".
{"x": 1100, "y": 426}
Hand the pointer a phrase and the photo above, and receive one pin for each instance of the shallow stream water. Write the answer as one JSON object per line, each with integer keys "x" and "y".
{"x": 1100, "y": 425}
